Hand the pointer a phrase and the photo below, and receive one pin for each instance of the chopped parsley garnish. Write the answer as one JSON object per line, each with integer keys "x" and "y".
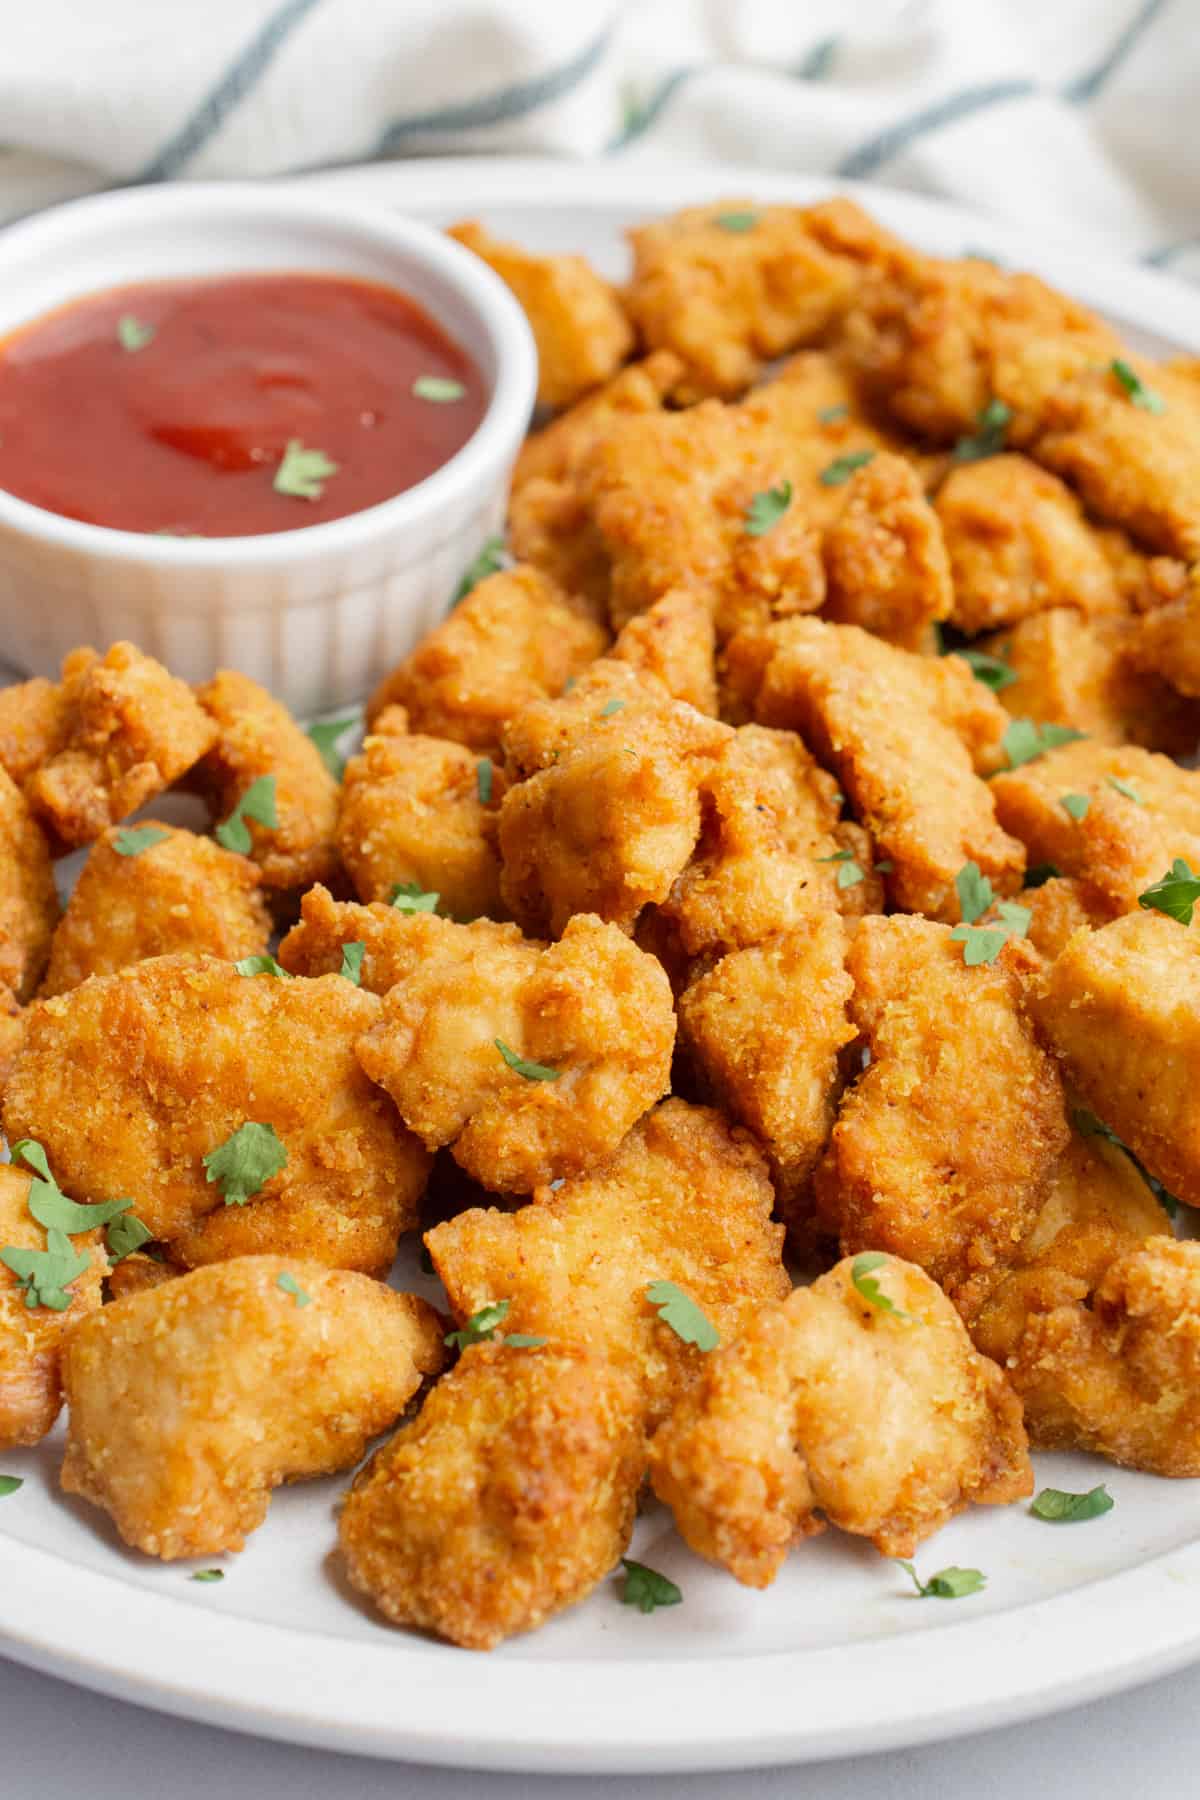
{"x": 245, "y": 1162}
{"x": 484, "y": 778}
{"x": 302, "y": 473}
{"x": 124, "y": 1236}
{"x": 993, "y": 671}
{"x": 975, "y": 892}
{"x": 829, "y": 415}
{"x": 411, "y": 897}
{"x": 291, "y": 1286}
{"x": 988, "y": 437}
{"x": 9, "y": 1485}
{"x": 518, "y": 1340}
{"x": 1060, "y": 1508}
{"x": 327, "y": 734}
{"x": 681, "y": 1313}
{"x": 843, "y": 467}
{"x": 532, "y": 1071}
{"x": 1041, "y": 873}
{"x": 257, "y": 803}
{"x": 208, "y": 1575}
{"x": 849, "y": 872}
{"x": 983, "y": 943}
{"x": 948, "y": 1584}
{"x": 52, "y": 1209}
{"x": 1135, "y": 387}
{"x": 490, "y": 560}
{"x": 766, "y": 509}
{"x": 1077, "y": 805}
{"x": 441, "y": 389}
{"x": 736, "y": 221}
{"x": 613, "y": 706}
{"x": 262, "y": 965}
{"x": 133, "y": 840}
{"x": 134, "y": 334}
{"x": 1174, "y": 893}
{"x": 1123, "y": 787}
{"x": 1026, "y": 739}
{"x": 1088, "y": 1125}
{"x": 862, "y": 1274}
{"x": 45, "y": 1275}
{"x": 481, "y": 1327}
{"x": 352, "y": 961}
{"x": 646, "y": 1589}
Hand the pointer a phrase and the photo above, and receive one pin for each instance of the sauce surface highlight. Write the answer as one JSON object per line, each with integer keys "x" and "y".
{"x": 169, "y": 407}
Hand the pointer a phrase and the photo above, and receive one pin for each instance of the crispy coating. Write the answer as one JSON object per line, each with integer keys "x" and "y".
{"x": 581, "y": 333}
{"x": 31, "y": 1337}
{"x": 1119, "y": 1008}
{"x": 542, "y": 733}
{"x": 515, "y": 638}
{"x": 34, "y": 721}
{"x": 673, "y": 643}
{"x": 889, "y": 1423}
{"x": 12, "y": 1033}
{"x": 257, "y": 736}
{"x": 1058, "y": 908}
{"x": 192, "y": 1400}
{"x": 942, "y": 1145}
{"x": 192, "y": 1051}
{"x": 765, "y": 1030}
{"x": 131, "y": 730}
{"x": 507, "y": 1500}
{"x": 394, "y": 943}
{"x": 886, "y": 566}
{"x": 412, "y": 811}
{"x": 1120, "y": 845}
{"x": 899, "y": 732}
{"x": 593, "y": 1007}
{"x": 29, "y": 907}
{"x": 686, "y": 1199}
{"x": 1168, "y": 641}
{"x": 182, "y": 893}
{"x": 137, "y": 1273}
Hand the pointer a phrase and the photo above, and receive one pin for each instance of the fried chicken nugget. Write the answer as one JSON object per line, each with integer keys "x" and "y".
{"x": 29, "y": 906}
{"x": 515, "y": 638}
{"x": 31, "y": 1337}
{"x": 132, "y": 729}
{"x": 531, "y": 1061}
{"x": 180, "y": 892}
{"x": 193, "y": 1051}
{"x": 506, "y": 1501}
{"x": 581, "y": 333}
{"x": 1057, "y": 909}
{"x": 899, "y": 732}
{"x": 1168, "y": 642}
{"x": 422, "y": 810}
{"x": 883, "y": 1417}
{"x": 886, "y": 566}
{"x": 256, "y": 737}
{"x": 395, "y": 943}
{"x": 673, "y": 644}
{"x": 35, "y": 718}
{"x": 192, "y": 1401}
{"x": 686, "y": 1198}
{"x": 942, "y": 1145}
{"x": 12, "y": 1033}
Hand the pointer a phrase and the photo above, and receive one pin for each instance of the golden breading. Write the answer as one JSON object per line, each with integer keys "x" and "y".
{"x": 1168, "y": 642}
{"x": 686, "y": 1199}
{"x": 515, "y": 638}
{"x": 257, "y": 737}
{"x": 673, "y": 643}
{"x": 507, "y": 1500}
{"x": 413, "y": 811}
{"x": 553, "y": 454}
{"x": 29, "y": 906}
{"x": 541, "y": 734}
{"x": 1019, "y": 544}
{"x": 34, "y": 722}
{"x": 192, "y": 1051}
{"x": 727, "y": 299}
{"x": 898, "y": 731}
{"x": 12, "y": 1033}
{"x": 942, "y": 1145}
{"x": 581, "y": 333}
{"x": 886, "y": 566}
{"x": 888, "y": 1422}
{"x": 1087, "y": 673}
{"x": 1143, "y": 582}
{"x": 593, "y": 1008}
{"x": 131, "y": 730}
{"x": 191, "y": 1401}
{"x": 137, "y": 1273}
{"x": 31, "y": 1337}
{"x": 1057, "y": 909}
{"x": 1121, "y": 844}
{"x": 395, "y": 943}
{"x": 1121, "y": 1009}
{"x": 764, "y": 1030}
{"x": 182, "y": 892}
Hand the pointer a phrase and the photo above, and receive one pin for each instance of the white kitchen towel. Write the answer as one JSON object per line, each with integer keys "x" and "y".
{"x": 1076, "y": 117}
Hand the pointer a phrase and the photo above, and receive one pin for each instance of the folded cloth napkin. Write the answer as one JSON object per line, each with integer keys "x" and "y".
{"x": 1076, "y": 117}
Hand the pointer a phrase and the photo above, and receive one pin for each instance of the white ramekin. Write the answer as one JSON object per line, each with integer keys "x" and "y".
{"x": 316, "y": 614}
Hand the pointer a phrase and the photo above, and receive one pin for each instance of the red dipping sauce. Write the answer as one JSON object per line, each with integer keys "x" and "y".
{"x": 169, "y": 407}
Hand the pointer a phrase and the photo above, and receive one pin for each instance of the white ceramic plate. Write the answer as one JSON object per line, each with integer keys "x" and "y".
{"x": 839, "y": 1657}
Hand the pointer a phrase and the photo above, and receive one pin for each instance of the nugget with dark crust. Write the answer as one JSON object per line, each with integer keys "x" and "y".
{"x": 31, "y": 1336}
{"x": 35, "y": 717}
{"x": 190, "y": 1402}
{"x": 673, "y": 644}
{"x": 531, "y": 1061}
{"x": 507, "y": 1500}
{"x": 137, "y": 1273}
{"x": 28, "y": 898}
{"x": 180, "y": 892}
{"x": 881, "y": 1416}
{"x": 886, "y": 566}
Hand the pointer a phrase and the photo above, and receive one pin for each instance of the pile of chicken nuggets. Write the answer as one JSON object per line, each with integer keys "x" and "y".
{"x": 784, "y": 848}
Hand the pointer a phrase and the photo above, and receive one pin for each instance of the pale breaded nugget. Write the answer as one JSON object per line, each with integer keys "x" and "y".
{"x": 1088, "y": 673}
{"x": 1019, "y": 544}
{"x": 507, "y": 1499}
{"x": 674, "y": 643}
{"x": 178, "y": 892}
{"x": 531, "y": 1061}
{"x": 765, "y": 1030}
{"x": 515, "y": 638}
{"x": 898, "y": 731}
{"x": 193, "y": 1051}
{"x": 29, "y": 906}
{"x": 1057, "y": 908}
{"x": 727, "y": 298}
{"x": 34, "y": 722}
{"x": 422, "y": 810}
{"x": 581, "y": 333}
{"x": 1168, "y": 641}
{"x": 943, "y": 1144}
{"x": 31, "y": 1336}
{"x": 191, "y": 1401}
{"x": 1124, "y": 840}
{"x": 131, "y": 730}
{"x": 881, "y": 1416}
{"x": 257, "y": 737}
{"x": 1120, "y": 1007}
{"x": 886, "y": 566}
{"x": 686, "y": 1199}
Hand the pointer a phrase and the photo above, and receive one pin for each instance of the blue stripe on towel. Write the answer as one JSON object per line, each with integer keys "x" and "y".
{"x": 1086, "y": 87}
{"x": 646, "y": 114}
{"x": 906, "y": 132}
{"x": 817, "y": 64}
